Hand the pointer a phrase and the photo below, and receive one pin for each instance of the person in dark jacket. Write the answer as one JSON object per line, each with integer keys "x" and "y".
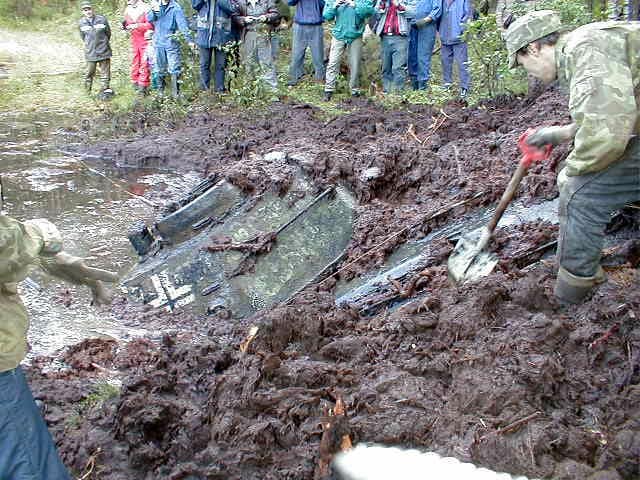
{"x": 422, "y": 38}
{"x": 96, "y": 34}
{"x": 307, "y": 32}
{"x": 214, "y": 31}
{"x": 455, "y": 15}
{"x": 168, "y": 18}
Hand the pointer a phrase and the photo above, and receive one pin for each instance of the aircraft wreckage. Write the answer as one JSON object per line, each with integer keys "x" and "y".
{"x": 224, "y": 252}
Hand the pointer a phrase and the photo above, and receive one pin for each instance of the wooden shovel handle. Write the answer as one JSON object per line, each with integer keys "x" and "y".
{"x": 508, "y": 194}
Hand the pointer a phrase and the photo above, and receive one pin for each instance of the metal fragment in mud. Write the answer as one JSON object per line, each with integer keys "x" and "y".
{"x": 467, "y": 261}
{"x": 310, "y": 235}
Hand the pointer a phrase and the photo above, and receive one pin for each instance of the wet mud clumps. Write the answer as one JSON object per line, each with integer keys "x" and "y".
{"x": 495, "y": 372}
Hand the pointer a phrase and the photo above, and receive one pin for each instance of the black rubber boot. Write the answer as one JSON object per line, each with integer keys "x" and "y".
{"x": 161, "y": 86}
{"x": 175, "y": 86}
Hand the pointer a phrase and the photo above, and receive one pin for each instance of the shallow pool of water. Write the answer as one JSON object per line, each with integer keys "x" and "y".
{"x": 93, "y": 213}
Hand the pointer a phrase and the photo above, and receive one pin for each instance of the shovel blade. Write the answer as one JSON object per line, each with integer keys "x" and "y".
{"x": 468, "y": 262}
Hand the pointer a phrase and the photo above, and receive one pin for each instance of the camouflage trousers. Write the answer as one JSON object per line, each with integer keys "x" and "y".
{"x": 104, "y": 67}
{"x": 586, "y": 204}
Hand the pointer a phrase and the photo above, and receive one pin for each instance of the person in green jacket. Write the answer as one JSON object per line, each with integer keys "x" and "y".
{"x": 26, "y": 447}
{"x": 350, "y": 19}
{"x": 599, "y": 65}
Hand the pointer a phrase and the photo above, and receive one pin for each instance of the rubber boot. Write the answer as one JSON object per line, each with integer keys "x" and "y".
{"x": 161, "y": 85}
{"x": 87, "y": 86}
{"x": 175, "y": 86}
{"x": 571, "y": 289}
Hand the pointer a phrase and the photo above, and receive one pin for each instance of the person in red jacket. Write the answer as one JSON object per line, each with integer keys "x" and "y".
{"x": 136, "y": 23}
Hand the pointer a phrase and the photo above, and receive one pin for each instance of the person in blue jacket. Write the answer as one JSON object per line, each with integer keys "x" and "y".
{"x": 422, "y": 38}
{"x": 455, "y": 15}
{"x": 214, "y": 30}
{"x": 168, "y": 18}
{"x": 307, "y": 32}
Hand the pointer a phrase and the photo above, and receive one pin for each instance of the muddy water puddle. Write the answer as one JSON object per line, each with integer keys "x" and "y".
{"x": 93, "y": 204}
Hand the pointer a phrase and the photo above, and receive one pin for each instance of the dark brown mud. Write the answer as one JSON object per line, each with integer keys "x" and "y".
{"x": 495, "y": 373}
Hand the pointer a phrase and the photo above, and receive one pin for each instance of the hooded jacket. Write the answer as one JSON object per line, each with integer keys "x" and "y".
{"x": 213, "y": 22}
{"x": 167, "y": 21}
{"x": 454, "y": 17}
{"x": 21, "y": 244}
{"x": 429, "y": 8}
{"x": 96, "y": 33}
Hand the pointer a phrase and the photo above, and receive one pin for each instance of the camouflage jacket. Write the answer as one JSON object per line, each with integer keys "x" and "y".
{"x": 599, "y": 65}
{"x": 21, "y": 244}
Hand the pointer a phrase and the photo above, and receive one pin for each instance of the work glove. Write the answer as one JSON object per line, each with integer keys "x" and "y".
{"x": 422, "y": 22}
{"x": 74, "y": 270}
{"x": 552, "y": 135}
{"x": 562, "y": 179}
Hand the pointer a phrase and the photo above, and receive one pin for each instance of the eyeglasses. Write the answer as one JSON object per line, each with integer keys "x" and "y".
{"x": 86, "y": 9}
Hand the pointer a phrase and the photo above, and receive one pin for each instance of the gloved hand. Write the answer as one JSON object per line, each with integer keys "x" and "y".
{"x": 75, "y": 270}
{"x": 423, "y": 21}
{"x": 552, "y": 135}
{"x": 562, "y": 179}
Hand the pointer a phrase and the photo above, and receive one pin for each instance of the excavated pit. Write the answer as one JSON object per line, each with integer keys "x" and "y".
{"x": 494, "y": 372}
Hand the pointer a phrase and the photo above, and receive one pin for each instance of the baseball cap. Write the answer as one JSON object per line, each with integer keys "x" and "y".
{"x": 529, "y": 28}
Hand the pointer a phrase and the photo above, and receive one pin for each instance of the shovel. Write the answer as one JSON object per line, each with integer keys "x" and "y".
{"x": 469, "y": 261}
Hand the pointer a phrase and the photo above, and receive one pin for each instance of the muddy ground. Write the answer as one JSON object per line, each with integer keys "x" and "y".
{"x": 495, "y": 373}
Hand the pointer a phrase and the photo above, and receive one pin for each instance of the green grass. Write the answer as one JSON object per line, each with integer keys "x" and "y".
{"x": 101, "y": 392}
{"x": 50, "y": 77}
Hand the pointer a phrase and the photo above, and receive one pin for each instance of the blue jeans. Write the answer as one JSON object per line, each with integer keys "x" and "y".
{"x": 394, "y": 62}
{"x": 421, "y": 41}
{"x": 304, "y": 36}
{"x": 455, "y": 53}
{"x": 168, "y": 60}
{"x": 220, "y": 62}
{"x": 27, "y": 451}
